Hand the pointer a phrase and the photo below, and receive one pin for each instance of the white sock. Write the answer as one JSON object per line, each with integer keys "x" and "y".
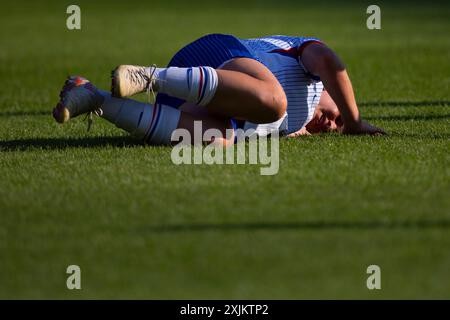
{"x": 196, "y": 84}
{"x": 153, "y": 123}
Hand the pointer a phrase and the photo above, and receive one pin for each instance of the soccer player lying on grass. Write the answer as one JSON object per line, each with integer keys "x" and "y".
{"x": 295, "y": 85}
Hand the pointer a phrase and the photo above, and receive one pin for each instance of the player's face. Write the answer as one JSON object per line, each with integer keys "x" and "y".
{"x": 325, "y": 119}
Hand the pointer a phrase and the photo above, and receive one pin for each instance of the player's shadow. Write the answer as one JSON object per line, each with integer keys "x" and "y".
{"x": 424, "y": 103}
{"x": 30, "y": 113}
{"x": 64, "y": 143}
{"x": 409, "y": 117}
{"x": 429, "y": 135}
{"x": 312, "y": 225}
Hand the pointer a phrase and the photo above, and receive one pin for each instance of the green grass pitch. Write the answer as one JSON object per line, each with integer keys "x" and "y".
{"x": 141, "y": 227}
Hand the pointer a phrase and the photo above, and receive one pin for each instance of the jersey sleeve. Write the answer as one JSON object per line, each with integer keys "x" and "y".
{"x": 301, "y": 48}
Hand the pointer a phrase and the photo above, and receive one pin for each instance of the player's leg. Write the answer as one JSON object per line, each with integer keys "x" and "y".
{"x": 155, "y": 123}
{"x": 244, "y": 88}
{"x": 191, "y": 113}
{"x": 152, "y": 123}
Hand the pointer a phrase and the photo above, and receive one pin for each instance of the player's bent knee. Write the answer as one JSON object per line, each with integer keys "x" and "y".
{"x": 280, "y": 103}
{"x": 274, "y": 104}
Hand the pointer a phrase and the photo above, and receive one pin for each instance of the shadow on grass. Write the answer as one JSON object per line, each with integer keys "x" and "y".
{"x": 409, "y": 117}
{"x": 123, "y": 142}
{"x": 362, "y": 104}
{"x": 26, "y": 113}
{"x": 423, "y": 103}
{"x": 433, "y": 136}
{"x": 313, "y": 225}
{"x": 60, "y": 143}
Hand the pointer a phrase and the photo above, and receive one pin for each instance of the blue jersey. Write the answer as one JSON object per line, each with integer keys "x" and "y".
{"x": 280, "y": 54}
{"x": 303, "y": 90}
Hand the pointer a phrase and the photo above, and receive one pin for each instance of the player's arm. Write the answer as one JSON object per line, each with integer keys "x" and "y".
{"x": 320, "y": 60}
{"x": 302, "y": 132}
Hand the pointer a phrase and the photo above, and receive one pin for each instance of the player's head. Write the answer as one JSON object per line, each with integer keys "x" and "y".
{"x": 326, "y": 118}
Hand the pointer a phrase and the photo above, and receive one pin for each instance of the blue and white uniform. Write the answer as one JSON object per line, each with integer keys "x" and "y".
{"x": 278, "y": 53}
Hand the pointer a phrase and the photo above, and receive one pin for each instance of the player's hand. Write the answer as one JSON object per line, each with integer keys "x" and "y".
{"x": 301, "y": 132}
{"x": 362, "y": 128}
